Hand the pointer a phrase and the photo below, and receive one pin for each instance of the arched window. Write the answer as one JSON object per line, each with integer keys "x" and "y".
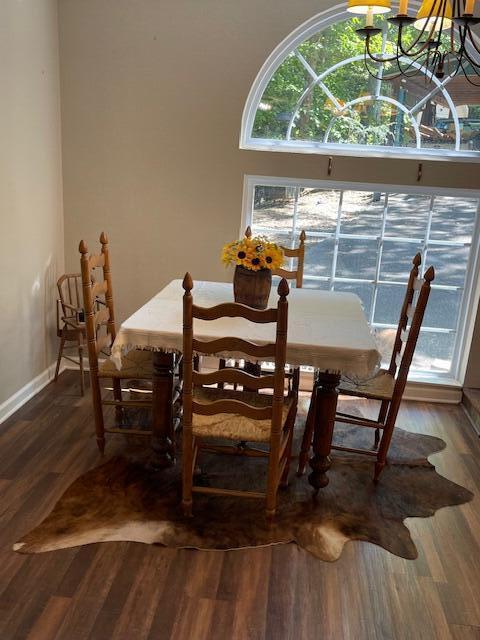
{"x": 315, "y": 94}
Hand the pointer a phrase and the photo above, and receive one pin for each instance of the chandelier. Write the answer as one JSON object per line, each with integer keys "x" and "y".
{"x": 441, "y": 43}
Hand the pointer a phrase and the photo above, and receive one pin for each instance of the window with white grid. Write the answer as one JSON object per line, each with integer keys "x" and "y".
{"x": 363, "y": 240}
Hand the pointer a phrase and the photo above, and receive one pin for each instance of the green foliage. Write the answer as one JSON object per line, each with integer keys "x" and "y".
{"x": 369, "y": 122}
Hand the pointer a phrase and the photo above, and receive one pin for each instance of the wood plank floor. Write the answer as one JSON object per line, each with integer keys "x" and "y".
{"x": 135, "y": 592}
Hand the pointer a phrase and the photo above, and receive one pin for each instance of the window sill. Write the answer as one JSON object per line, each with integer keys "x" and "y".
{"x": 400, "y": 153}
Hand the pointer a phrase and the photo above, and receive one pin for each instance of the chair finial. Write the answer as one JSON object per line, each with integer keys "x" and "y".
{"x": 303, "y": 236}
{"x": 103, "y": 238}
{"x": 248, "y": 232}
{"x": 283, "y": 288}
{"x": 82, "y": 247}
{"x": 429, "y": 274}
{"x": 187, "y": 283}
{"x": 417, "y": 260}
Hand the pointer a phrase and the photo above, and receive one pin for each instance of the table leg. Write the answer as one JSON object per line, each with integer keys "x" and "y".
{"x": 325, "y": 397}
{"x": 162, "y": 397}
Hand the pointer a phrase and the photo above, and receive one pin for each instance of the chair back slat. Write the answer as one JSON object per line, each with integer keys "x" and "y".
{"x": 411, "y": 318}
{"x": 238, "y": 345}
{"x": 299, "y": 254}
{"x": 99, "y": 289}
{"x": 411, "y": 310}
{"x": 102, "y": 343}
{"x": 95, "y": 261}
{"x": 232, "y": 406}
{"x": 284, "y": 273}
{"x": 234, "y": 310}
{"x": 277, "y": 351}
{"x": 102, "y": 316}
{"x": 235, "y": 377}
{"x": 290, "y": 253}
{"x": 417, "y": 284}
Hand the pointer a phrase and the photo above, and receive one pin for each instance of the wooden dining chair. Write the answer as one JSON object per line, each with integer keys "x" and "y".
{"x": 388, "y": 385}
{"x": 101, "y": 332}
{"x": 294, "y": 274}
{"x": 71, "y": 322}
{"x": 211, "y": 414}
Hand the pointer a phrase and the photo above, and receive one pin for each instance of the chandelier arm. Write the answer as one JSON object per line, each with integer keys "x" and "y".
{"x": 471, "y": 40}
{"x": 439, "y": 55}
{"x": 408, "y": 50}
{"x": 373, "y": 56}
{"x": 375, "y": 77}
{"x": 467, "y": 76}
{"x": 474, "y": 63}
{"x": 410, "y": 62}
{"x": 393, "y": 58}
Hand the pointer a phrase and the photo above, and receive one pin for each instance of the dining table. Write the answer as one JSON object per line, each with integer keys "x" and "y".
{"x": 327, "y": 330}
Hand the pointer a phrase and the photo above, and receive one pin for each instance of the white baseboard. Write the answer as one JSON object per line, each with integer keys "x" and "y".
{"x": 27, "y": 392}
{"x": 433, "y": 392}
{"x": 471, "y": 420}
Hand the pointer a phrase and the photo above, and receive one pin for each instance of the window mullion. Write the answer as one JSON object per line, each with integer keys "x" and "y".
{"x": 379, "y": 259}
{"x": 336, "y": 241}
{"x": 294, "y": 223}
{"x": 427, "y": 235}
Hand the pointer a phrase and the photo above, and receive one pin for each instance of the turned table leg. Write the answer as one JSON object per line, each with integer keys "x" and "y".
{"x": 163, "y": 389}
{"x": 325, "y": 395}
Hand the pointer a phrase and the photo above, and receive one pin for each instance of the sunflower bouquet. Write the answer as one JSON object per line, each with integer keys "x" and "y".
{"x": 253, "y": 253}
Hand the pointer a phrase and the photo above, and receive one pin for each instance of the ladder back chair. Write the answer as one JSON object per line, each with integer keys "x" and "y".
{"x": 101, "y": 332}
{"x": 295, "y": 274}
{"x": 71, "y": 321}
{"x": 210, "y": 413}
{"x": 388, "y": 385}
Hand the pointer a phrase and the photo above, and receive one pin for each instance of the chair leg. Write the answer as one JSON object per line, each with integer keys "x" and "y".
{"x": 307, "y": 436}
{"x": 385, "y": 441}
{"x": 117, "y": 394}
{"x": 288, "y": 453}
{"x": 222, "y": 363}
{"x": 80, "y": 360}
{"x": 382, "y": 414}
{"x": 272, "y": 484}
{"x": 98, "y": 411}
{"x": 255, "y": 370}
{"x": 187, "y": 471}
{"x": 60, "y": 354}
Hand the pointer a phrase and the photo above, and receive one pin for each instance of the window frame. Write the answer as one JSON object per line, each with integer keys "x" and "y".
{"x": 471, "y": 289}
{"x": 304, "y": 31}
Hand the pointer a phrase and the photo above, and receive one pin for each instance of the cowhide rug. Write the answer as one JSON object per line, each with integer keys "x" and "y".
{"x": 123, "y": 500}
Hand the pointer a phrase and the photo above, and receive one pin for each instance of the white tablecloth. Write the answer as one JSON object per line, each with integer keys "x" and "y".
{"x": 326, "y": 330}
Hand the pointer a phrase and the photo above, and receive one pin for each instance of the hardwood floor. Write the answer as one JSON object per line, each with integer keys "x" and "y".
{"x": 134, "y": 591}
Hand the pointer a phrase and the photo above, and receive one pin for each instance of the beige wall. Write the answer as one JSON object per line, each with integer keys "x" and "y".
{"x": 152, "y": 98}
{"x": 31, "y": 220}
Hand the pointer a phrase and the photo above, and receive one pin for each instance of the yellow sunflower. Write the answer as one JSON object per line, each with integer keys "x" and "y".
{"x": 253, "y": 253}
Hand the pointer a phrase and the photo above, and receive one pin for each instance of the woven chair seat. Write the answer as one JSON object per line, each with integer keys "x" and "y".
{"x": 136, "y": 364}
{"x": 380, "y": 387}
{"x": 231, "y": 426}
